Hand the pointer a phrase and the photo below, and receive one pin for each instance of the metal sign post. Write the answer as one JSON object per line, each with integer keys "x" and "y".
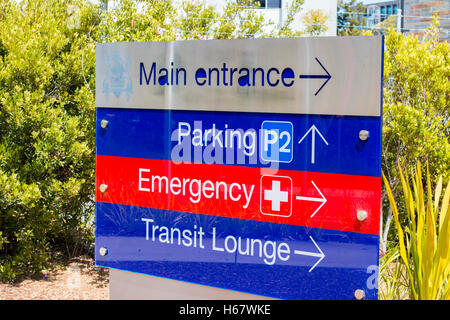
{"x": 251, "y": 166}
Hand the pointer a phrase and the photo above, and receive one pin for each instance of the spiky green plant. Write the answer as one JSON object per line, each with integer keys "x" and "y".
{"x": 424, "y": 243}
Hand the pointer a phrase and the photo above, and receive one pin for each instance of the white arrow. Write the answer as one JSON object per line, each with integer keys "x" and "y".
{"x": 320, "y": 254}
{"x": 321, "y": 199}
{"x": 314, "y": 130}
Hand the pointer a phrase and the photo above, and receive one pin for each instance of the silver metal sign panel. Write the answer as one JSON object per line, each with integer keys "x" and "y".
{"x": 325, "y": 75}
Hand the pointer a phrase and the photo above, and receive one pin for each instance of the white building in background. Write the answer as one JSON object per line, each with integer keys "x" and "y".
{"x": 277, "y": 10}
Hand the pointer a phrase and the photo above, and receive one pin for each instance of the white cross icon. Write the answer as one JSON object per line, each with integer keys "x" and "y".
{"x": 276, "y": 195}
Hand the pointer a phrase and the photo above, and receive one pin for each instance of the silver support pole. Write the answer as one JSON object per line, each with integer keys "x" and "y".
{"x": 399, "y": 20}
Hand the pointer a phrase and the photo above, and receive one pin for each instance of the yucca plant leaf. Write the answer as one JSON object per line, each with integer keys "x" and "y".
{"x": 401, "y": 238}
{"x": 433, "y": 213}
{"x": 444, "y": 208}
{"x": 437, "y": 195}
{"x": 442, "y": 261}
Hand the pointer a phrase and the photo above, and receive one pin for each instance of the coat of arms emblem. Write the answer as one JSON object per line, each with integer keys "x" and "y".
{"x": 117, "y": 77}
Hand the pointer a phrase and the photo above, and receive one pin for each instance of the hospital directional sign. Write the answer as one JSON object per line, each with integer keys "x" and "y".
{"x": 249, "y": 165}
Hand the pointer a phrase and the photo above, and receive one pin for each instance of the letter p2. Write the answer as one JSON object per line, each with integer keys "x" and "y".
{"x": 276, "y": 141}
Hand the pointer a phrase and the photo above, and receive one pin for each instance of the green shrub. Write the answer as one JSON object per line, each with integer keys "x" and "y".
{"x": 415, "y": 111}
{"x": 47, "y": 85}
{"x": 47, "y": 68}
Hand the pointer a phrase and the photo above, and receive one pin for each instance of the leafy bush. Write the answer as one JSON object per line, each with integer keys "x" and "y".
{"x": 351, "y": 19}
{"x": 47, "y": 85}
{"x": 155, "y": 20}
{"x": 47, "y": 69}
{"x": 416, "y": 111}
{"x": 314, "y": 22}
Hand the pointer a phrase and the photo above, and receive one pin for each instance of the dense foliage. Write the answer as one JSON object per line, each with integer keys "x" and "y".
{"x": 314, "y": 22}
{"x": 351, "y": 19}
{"x": 47, "y": 85}
{"x": 47, "y": 75}
{"x": 416, "y": 109}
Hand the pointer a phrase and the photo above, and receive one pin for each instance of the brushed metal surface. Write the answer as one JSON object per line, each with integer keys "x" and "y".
{"x": 125, "y": 285}
{"x": 354, "y": 63}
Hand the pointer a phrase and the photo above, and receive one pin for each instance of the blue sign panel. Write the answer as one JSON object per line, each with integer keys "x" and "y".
{"x": 274, "y": 260}
{"x": 315, "y": 143}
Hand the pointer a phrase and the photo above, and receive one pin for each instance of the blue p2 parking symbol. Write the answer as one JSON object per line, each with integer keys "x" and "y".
{"x": 276, "y": 141}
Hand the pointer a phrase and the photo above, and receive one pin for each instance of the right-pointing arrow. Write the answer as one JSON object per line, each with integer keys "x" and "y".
{"x": 321, "y": 199}
{"x": 316, "y": 76}
{"x": 319, "y": 254}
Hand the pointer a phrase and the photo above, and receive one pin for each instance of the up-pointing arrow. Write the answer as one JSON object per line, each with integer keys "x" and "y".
{"x": 321, "y": 199}
{"x": 316, "y": 76}
{"x": 319, "y": 254}
{"x": 313, "y": 131}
